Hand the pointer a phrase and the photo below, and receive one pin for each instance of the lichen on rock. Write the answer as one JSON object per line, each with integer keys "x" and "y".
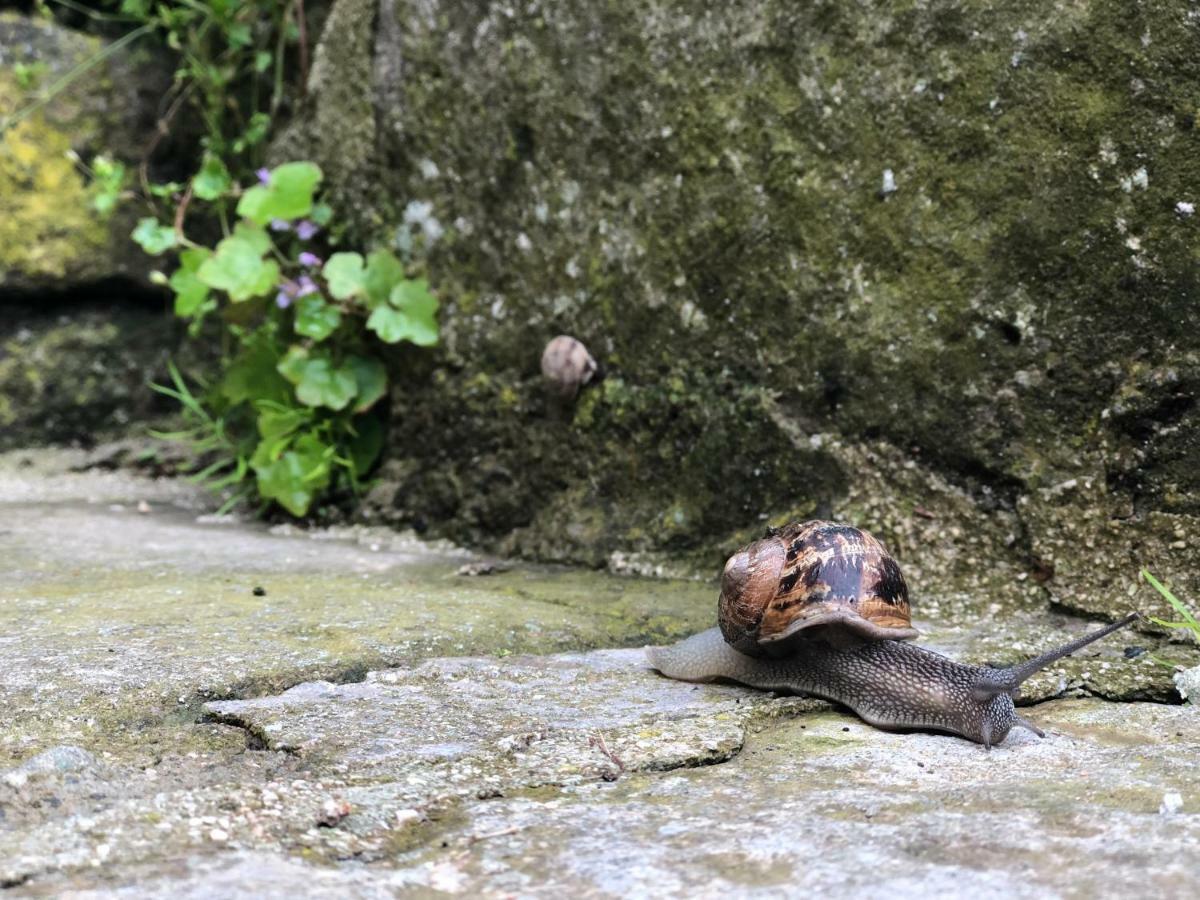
{"x": 51, "y": 234}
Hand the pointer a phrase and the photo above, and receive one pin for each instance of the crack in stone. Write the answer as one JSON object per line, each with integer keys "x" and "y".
{"x": 256, "y": 738}
{"x": 8, "y": 883}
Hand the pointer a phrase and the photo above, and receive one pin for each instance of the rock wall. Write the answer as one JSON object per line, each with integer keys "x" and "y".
{"x": 80, "y": 334}
{"x": 953, "y": 236}
{"x": 78, "y": 375}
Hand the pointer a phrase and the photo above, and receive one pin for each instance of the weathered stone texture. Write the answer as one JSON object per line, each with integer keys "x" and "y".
{"x": 959, "y": 229}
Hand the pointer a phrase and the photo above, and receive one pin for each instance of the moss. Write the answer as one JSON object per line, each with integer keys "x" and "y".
{"x": 334, "y": 627}
{"x": 339, "y": 130}
{"x": 47, "y": 226}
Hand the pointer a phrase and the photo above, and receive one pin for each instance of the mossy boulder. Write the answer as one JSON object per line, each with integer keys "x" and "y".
{"x": 53, "y": 232}
{"x": 961, "y": 233}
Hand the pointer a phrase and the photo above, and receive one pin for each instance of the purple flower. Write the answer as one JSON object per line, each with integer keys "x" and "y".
{"x": 307, "y": 286}
{"x": 289, "y": 288}
{"x": 309, "y": 260}
{"x": 282, "y": 300}
{"x": 306, "y": 230}
{"x": 264, "y": 176}
{"x": 280, "y": 225}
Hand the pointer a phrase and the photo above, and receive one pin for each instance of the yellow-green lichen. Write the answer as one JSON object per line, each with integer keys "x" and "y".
{"x": 48, "y": 228}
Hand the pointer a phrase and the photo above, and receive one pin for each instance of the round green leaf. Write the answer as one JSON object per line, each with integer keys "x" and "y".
{"x": 288, "y": 194}
{"x": 295, "y": 478}
{"x": 253, "y": 235}
{"x": 371, "y": 377}
{"x": 391, "y": 326}
{"x": 283, "y": 482}
{"x": 418, "y": 310}
{"x": 384, "y": 272}
{"x": 315, "y": 318}
{"x": 190, "y": 292}
{"x": 238, "y": 267}
{"x": 318, "y": 381}
{"x": 212, "y": 181}
{"x": 344, "y": 274}
{"x": 253, "y": 374}
{"x": 153, "y": 237}
{"x": 321, "y": 213}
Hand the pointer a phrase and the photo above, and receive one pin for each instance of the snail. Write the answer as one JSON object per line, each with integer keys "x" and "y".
{"x": 822, "y": 609}
{"x": 567, "y": 365}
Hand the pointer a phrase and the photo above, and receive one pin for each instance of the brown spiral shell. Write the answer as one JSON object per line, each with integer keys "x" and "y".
{"x": 821, "y": 579}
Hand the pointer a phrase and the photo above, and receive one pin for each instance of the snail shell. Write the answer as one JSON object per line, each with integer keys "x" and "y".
{"x": 567, "y": 365}
{"x": 818, "y": 580}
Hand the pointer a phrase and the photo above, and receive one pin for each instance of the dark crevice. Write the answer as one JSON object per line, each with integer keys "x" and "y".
{"x": 119, "y": 291}
{"x": 253, "y": 688}
{"x": 697, "y": 763}
{"x": 256, "y": 740}
{"x": 349, "y": 673}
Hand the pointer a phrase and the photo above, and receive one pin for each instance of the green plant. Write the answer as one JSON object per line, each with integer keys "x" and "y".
{"x": 209, "y": 436}
{"x": 233, "y": 65}
{"x": 295, "y": 403}
{"x": 1187, "y": 620}
{"x": 294, "y": 410}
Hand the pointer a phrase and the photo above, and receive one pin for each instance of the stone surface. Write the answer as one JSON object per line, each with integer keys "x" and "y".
{"x": 79, "y": 375}
{"x": 81, "y": 336}
{"x": 52, "y": 236}
{"x": 590, "y": 773}
{"x": 946, "y": 236}
{"x": 166, "y": 730}
{"x": 156, "y": 611}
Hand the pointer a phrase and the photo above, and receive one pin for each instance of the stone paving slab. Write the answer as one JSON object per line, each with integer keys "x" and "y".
{"x": 207, "y": 707}
{"x": 113, "y": 619}
{"x": 485, "y": 778}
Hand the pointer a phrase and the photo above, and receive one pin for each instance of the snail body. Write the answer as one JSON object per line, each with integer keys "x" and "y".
{"x": 840, "y": 637}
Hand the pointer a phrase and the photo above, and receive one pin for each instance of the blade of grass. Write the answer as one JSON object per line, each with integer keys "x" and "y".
{"x": 62, "y": 83}
{"x": 1189, "y": 621}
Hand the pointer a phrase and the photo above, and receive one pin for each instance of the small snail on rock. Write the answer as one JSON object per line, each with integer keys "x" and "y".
{"x": 567, "y": 365}
{"x": 820, "y": 608}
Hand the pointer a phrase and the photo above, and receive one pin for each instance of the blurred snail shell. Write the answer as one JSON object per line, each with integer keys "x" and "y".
{"x": 567, "y": 365}
{"x": 820, "y": 608}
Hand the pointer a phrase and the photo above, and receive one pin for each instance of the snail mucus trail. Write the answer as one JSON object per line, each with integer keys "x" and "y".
{"x": 822, "y": 609}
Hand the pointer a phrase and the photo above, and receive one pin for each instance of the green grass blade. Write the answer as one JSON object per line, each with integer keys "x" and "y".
{"x": 1188, "y": 619}
{"x": 62, "y": 83}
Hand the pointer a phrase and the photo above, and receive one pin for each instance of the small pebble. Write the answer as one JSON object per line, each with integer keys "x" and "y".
{"x": 407, "y": 817}
{"x": 1171, "y": 802}
{"x": 332, "y": 812}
